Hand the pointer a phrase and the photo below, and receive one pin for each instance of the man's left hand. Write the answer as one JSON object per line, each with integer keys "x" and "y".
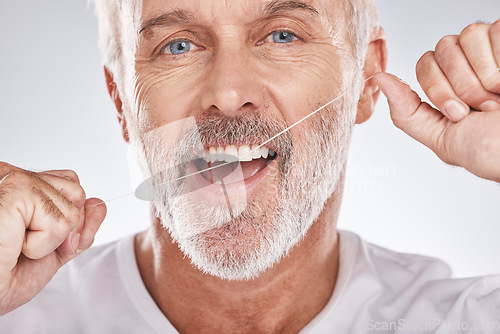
{"x": 462, "y": 79}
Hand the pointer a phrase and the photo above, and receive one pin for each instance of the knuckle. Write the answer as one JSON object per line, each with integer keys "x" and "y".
{"x": 73, "y": 218}
{"x": 434, "y": 87}
{"x": 424, "y": 61}
{"x": 19, "y": 177}
{"x": 467, "y": 91}
{"x": 426, "y": 57}
{"x": 466, "y": 95}
{"x": 4, "y": 167}
{"x": 491, "y": 84}
{"x": 495, "y": 28}
{"x": 80, "y": 196}
{"x": 61, "y": 228}
{"x": 74, "y": 212}
{"x": 471, "y": 32}
{"x": 71, "y": 174}
{"x": 446, "y": 44}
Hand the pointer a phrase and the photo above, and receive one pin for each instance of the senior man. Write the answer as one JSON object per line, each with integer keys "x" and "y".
{"x": 198, "y": 82}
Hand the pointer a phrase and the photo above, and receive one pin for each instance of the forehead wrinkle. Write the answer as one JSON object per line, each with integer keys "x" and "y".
{"x": 279, "y": 6}
{"x": 273, "y": 7}
{"x": 175, "y": 16}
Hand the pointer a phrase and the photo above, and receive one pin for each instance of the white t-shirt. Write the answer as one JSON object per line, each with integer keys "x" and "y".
{"x": 377, "y": 291}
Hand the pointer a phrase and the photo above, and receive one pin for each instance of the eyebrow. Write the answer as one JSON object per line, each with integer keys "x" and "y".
{"x": 171, "y": 18}
{"x": 272, "y": 8}
{"x": 283, "y": 6}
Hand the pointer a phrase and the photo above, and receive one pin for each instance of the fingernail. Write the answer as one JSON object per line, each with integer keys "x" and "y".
{"x": 489, "y": 106}
{"x": 75, "y": 243}
{"x": 455, "y": 110}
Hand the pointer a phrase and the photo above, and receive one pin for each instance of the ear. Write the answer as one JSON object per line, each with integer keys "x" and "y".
{"x": 115, "y": 97}
{"x": 375, "y": 62}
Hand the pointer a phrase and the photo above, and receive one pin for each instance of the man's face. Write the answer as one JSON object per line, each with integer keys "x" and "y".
{"x": 220, "y": 77}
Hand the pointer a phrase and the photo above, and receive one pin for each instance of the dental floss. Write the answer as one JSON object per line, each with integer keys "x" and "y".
{"x": 258, "y": 147}
{"x": 492, "y": 73}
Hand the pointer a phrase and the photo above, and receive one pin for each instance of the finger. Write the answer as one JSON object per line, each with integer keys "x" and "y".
{"x": 54, "y": 203}
{"x": 64, "y": 173}
{"x": 67, "y": 186}
{"x": 462, "y": 77}
{"x": 47, "y": 215}
{"x": 95, "y": 212}
{"x": 11, "y": 238}
{"x": 477, "y": 47}
{"x": 83, "y": 237}
{"x": 21, "y": 208}
{"x": 418, "y": 119}
{"x": 48, "y": 227}
{"x": 439, "y": 90}
{"x": 495, "y": 42}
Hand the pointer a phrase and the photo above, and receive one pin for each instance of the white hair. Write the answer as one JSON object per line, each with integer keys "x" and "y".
{"x": 363, "y": 22}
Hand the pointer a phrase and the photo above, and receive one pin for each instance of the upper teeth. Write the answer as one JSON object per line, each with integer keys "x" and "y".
{"x": 242, "y": 153}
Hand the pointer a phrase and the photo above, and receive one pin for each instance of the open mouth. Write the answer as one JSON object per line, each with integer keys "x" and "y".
{"x": 232, "y": 163}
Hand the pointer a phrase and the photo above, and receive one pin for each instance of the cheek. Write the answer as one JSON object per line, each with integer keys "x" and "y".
{"x": 166, "y": 95}
{"x": 299, "y": 85}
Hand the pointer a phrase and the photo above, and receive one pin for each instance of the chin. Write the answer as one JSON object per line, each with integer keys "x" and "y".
{"x": 241, "y": 248}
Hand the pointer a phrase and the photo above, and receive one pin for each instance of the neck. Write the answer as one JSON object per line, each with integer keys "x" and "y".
{"x": 284, "y": 299}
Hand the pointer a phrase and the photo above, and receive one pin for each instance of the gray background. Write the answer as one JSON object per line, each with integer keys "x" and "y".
{"x": 55, "y": 113}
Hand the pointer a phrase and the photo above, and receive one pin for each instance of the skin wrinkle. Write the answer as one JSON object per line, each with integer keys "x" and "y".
{"x": 141, "y": 87}
{"x": 278, "y": 6}
{"x": 177, "y": 17}
{"x": 172, "y": 18}
{"x": 285, "y": 84}
{"x": 49, "y": 207}
{"x": 274, "y": 94}
{"x": 4, "y": 177}
{"x": 49, "y": 186}
{"x": 58, "y": 175}
{"x": 109, "y": 45}
{"x": 197, "y": 22}
{"x": 3, "y": 192}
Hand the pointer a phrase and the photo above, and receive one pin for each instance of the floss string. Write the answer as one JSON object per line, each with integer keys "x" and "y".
{"x": 262, "y": 144}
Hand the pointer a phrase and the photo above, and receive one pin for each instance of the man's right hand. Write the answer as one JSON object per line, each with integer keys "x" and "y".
{"x": 45, "y": 221}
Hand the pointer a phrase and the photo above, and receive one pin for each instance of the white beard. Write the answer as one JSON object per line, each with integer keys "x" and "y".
{"x": 246, "y": 240}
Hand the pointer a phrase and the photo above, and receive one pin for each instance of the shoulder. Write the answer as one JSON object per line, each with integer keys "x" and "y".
{"x": 401, "y": 290}
{"x": 388, "y": 267}
{"x": 381, "y": 290}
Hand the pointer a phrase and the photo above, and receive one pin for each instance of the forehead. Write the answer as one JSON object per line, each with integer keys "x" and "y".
{"x": 237, "y": 11}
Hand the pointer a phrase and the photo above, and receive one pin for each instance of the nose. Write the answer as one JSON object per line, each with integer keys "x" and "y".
{"x": 233, "y": 84}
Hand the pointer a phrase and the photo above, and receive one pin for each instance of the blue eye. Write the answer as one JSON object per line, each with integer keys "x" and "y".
{"x": 283, "y": 37}
{"x": 179, "y": 47}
